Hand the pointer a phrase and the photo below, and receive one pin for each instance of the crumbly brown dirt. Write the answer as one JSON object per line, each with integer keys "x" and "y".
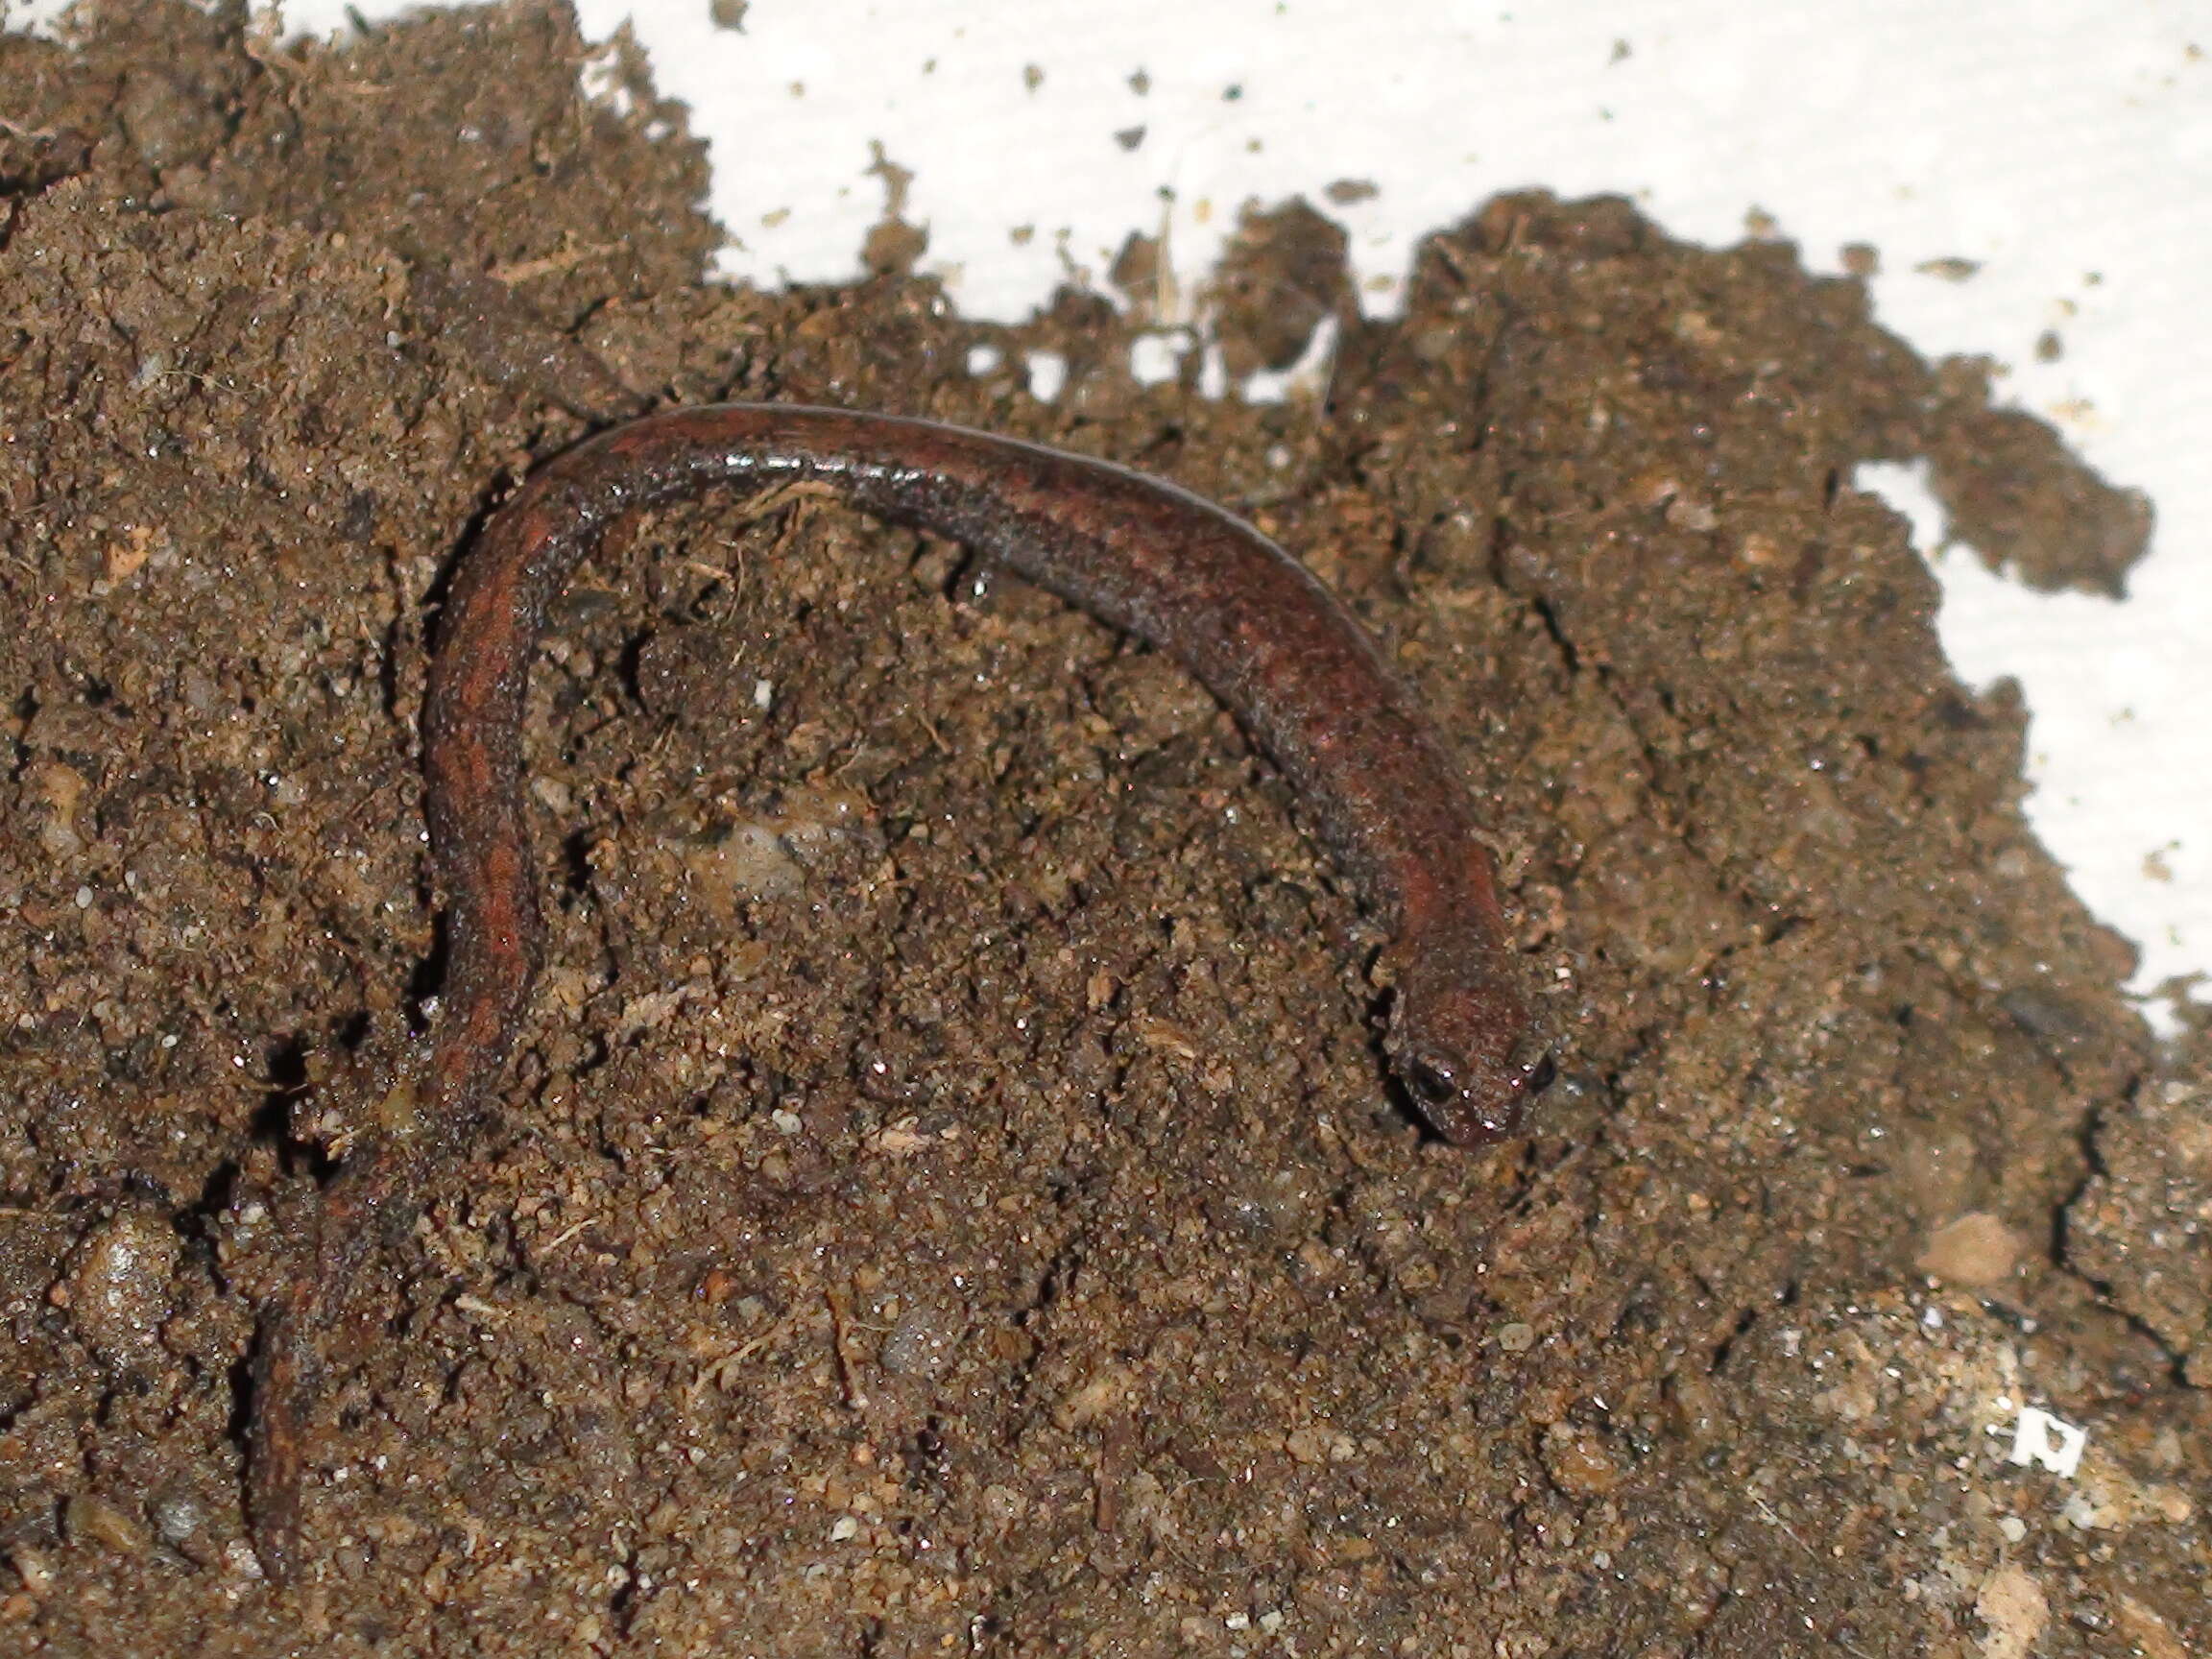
{"x": 950, "y": 1199}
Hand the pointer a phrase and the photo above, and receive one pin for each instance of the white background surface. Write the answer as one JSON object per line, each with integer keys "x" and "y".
{"x": 2064, "y": 145}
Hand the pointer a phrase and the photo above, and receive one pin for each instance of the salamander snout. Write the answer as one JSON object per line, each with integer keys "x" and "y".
{"x": 1465, "y": 1052}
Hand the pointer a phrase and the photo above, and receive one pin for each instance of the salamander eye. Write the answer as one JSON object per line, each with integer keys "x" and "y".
{"x": 1431, "y": 1083}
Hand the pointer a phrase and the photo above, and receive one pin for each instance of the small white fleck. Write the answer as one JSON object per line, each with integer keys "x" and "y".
{"x": 83, "y": 897}
{"x": 763, "y": 695}
{"x": 1213, "y": 374}
{"x": 2013, "y": 1528}
{"x": 1154, "y": 359}
{"x": 983, "y": 360}
{"x": 847, "y": 1527}
{"x": 2042, "y": 1438}
{"x": 786, "y": 1120}
{"x": 1047, "y": 376}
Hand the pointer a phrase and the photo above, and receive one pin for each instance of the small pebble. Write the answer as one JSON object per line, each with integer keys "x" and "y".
{"x": 117, "y": 1290}
{"x": 1516, "y": 1337}
{"x": 90, "y": 1520}
{"x": 33, "y": 1568}
{"x": 1977, "y": 1250}
{"x": 921, "y": 1344}
{"x": 1579, "y": 1465}
{"x": 177, "y": 1517}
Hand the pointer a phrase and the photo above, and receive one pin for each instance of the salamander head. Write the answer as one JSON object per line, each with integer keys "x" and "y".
{"x": 1463, "y": 1043}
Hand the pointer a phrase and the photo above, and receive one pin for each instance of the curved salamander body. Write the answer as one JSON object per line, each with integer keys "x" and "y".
{"x": 1173, "y": 569}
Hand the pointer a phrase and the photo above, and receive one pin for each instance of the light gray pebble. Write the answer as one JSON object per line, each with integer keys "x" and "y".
{"x": 922, "y": 1343}
{"x": 177, "y": 1517}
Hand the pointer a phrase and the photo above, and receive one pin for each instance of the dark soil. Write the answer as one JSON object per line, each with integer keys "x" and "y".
{"x": 950, "y": 1199}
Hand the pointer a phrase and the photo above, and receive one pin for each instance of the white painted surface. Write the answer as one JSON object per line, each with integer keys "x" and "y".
{"x": 2066, "y": 146}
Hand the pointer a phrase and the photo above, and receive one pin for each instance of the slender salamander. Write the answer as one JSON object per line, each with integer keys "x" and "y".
{"x": 1250, "y": 621}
